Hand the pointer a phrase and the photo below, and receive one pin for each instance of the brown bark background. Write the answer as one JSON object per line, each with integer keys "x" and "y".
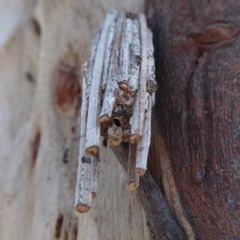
{"x": 197, "y": 113}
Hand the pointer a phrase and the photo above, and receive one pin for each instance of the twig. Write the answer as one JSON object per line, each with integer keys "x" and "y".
{"x": 83, "y": 192}
{"x": 137, "y": 119}
{"x": 151, "y": 82}
{"x": 135, "y": 122}
{"x": 88, "y": 82}
{"x": 95, "y": 175}
{"x": 135, "y": 58}
{"x": 143, "y": 76}
{"x": 92, "y": 60}
{"x": 133, "y": 178}
{"x": 153, "y": 99}
{"x": 143, "y": 145}
{"x": 83, "y": 204}
{"x": 109, "y": 97}
{"x": 92, "y": 143}
{"x": 108, "y": 55}
{"x": 125, "y": 54}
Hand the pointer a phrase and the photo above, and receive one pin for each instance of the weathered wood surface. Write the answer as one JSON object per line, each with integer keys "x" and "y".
{"x": 196, "y": 126}
{"x": 133, "y": 178}
{"x": 39, "y": 144}
{"x": 161, "y": 222}
{"x": 83, "y": 195}
{"x": 124, "y": 60}
{"x": 143, "y": 145}
{"x": 93, "y": 129}
{"x": 109, "y": 95}
{"x": 135, "y": 51}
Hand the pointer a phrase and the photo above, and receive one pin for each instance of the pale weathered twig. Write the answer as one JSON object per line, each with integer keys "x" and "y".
{"x": 135, "y": 58}
{"x": 92, "y": 60}
{"x": 83, "y": 192}
{"x": 95, "y": 175}
{"x": 153, "y": 99}
{"x": 151, "y": 81}
{"x": 108, "y": 55}
{"x": 125, "y": 54}
{"x": 135, "y": 122}
{"x": 110, "y": 96}
{"x": 92, "y": 139}
{"x": 143, "y": 145}
{"x": 143, "y": 75}
{"x": 83, "y": 203}
{"x": 83, "y": 196}
{"x": 137, "y": 119}
{"x": 133, "y": 178}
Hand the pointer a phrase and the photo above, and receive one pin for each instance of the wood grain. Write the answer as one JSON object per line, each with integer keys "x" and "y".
{"x": 197, "y": 110}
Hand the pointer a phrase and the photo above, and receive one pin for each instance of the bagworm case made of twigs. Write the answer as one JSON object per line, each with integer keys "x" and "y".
{"x": 118, "y": 94}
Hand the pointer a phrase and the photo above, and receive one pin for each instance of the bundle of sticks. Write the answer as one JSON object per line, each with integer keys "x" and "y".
{"x": 118, "y": 94}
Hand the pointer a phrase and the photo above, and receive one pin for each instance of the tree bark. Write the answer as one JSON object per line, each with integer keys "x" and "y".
{"x": 195, "y": 146}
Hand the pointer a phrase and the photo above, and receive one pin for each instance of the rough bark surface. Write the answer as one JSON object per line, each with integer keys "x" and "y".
{"x": 197, "y": 113}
